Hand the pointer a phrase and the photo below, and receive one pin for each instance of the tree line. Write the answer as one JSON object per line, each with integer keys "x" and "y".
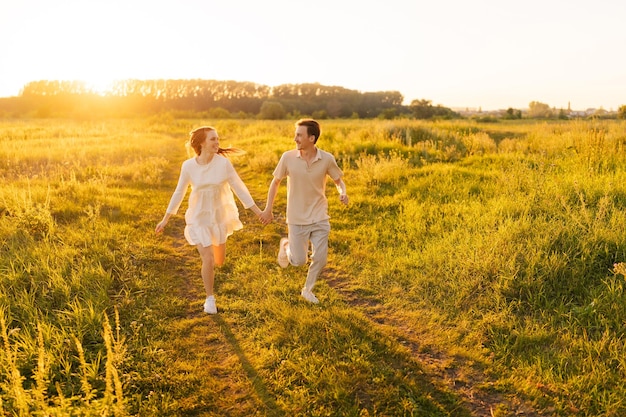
{"x": 218, "y": 98}
{"x": 237, "y": 99}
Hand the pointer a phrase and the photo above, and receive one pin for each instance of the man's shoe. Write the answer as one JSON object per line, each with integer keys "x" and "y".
{"x": 209, "y": 305}
{"x": 309, "y": 296}
{"x": 283, "y": 259}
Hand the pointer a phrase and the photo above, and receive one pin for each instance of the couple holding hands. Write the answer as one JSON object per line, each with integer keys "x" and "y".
{"x": 212, "y": 213}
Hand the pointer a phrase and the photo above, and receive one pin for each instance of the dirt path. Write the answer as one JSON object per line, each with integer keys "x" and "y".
{"x": 208, "y": 357}
{"x": 223, "y": 382}
{"x": 467, "y": 380}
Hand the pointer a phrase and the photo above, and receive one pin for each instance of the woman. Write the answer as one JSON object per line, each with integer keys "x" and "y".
{"x": 212, "y": 214}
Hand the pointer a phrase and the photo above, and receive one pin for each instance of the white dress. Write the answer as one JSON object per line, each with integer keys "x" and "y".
{"x": 212, "y": 213}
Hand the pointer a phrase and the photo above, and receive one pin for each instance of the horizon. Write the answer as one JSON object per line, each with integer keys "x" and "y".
{"x": 482, "y": 54}
{"x": 105, "y": 88}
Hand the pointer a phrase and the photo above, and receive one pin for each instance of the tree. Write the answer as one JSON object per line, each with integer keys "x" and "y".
{"x": 512, "y": 114}
{"x": 388, "y": 114}
{"x": 537, "y": 110}
{"x": 621, "y": 112}
{"x": 272, "y": 110}
{"x": 423, "y": 109}
{"x": 219, "y": 113}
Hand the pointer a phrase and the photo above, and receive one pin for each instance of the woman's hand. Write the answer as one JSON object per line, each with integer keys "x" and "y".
{"x": 161, "y": 226}
{"x": 266, "y": 216}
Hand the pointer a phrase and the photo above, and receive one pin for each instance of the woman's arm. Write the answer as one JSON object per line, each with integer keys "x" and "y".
{"x": 176, "y": 199}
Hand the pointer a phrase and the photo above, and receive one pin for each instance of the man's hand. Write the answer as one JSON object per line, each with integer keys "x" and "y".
{"x": 266, "y": 216}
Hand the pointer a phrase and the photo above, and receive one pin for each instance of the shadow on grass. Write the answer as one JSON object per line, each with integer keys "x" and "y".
{"x": 259, "y": 387}
{"x": 415, "y": 385}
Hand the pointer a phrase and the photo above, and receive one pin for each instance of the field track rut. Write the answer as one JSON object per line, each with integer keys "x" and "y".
{"x": 466, "y": 380}
{"x": 471, "y": 387}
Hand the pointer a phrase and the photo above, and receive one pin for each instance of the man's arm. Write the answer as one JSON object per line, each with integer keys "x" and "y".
{"x": 341, "y": 188}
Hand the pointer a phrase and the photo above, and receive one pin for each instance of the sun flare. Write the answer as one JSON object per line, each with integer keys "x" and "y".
{"x": 99, "y": 86}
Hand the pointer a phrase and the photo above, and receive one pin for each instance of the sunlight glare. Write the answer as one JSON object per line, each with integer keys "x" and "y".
{"x": 99, "y": 86}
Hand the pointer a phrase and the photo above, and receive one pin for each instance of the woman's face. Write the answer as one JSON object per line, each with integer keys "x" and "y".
{"x": 212, "y": 142}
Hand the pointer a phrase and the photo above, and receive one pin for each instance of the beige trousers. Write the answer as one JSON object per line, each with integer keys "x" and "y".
{"x": 299, "y": 237}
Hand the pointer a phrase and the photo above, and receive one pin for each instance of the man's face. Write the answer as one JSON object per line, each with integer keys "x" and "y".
{"x": 302, "y": 138}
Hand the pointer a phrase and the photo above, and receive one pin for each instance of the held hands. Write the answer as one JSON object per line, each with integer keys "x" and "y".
{"x": 266, "y": 216}
{"x": 343, "y": 198}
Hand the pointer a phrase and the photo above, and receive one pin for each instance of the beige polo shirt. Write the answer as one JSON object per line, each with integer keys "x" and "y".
{"x": 306, "y": 185}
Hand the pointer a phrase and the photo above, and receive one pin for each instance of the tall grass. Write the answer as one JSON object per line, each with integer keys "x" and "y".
{"x": 70, "y": 257}
{"x": 512, "y": 251}
{"x": 493, "y": 247}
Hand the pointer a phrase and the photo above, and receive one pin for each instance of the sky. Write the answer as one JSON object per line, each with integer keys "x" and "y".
{"x": 487, "y": 54}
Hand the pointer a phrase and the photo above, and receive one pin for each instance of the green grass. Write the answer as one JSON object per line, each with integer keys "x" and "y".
{"x": 478, "y": 270}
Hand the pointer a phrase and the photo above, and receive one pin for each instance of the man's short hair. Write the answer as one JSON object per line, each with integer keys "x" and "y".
{"x": 312, "y": 127}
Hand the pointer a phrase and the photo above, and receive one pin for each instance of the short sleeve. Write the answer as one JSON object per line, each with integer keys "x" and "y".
{"x": 334, "y": 171}
{"x": 281, "y": 171}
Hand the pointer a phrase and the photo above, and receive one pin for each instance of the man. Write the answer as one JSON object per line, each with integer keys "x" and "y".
{"x": 305, "y": 168}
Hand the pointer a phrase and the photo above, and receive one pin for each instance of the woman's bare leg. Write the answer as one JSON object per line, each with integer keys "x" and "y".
{"x": 219, "y": 254}
{"x": 211, "y": 256}
{"x": 208, "y": 268}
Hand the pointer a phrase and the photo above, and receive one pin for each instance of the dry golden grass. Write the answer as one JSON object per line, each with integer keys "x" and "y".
{"x": 477, "y": 271}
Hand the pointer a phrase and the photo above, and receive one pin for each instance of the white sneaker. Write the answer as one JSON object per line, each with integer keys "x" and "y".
{"x": 209, "y": 305}
{"x": 283, "y": 259}
{"x": 309, "y": 296}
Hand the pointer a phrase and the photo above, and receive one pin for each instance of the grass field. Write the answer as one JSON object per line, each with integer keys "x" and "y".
{"x": 478, "y": 270}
